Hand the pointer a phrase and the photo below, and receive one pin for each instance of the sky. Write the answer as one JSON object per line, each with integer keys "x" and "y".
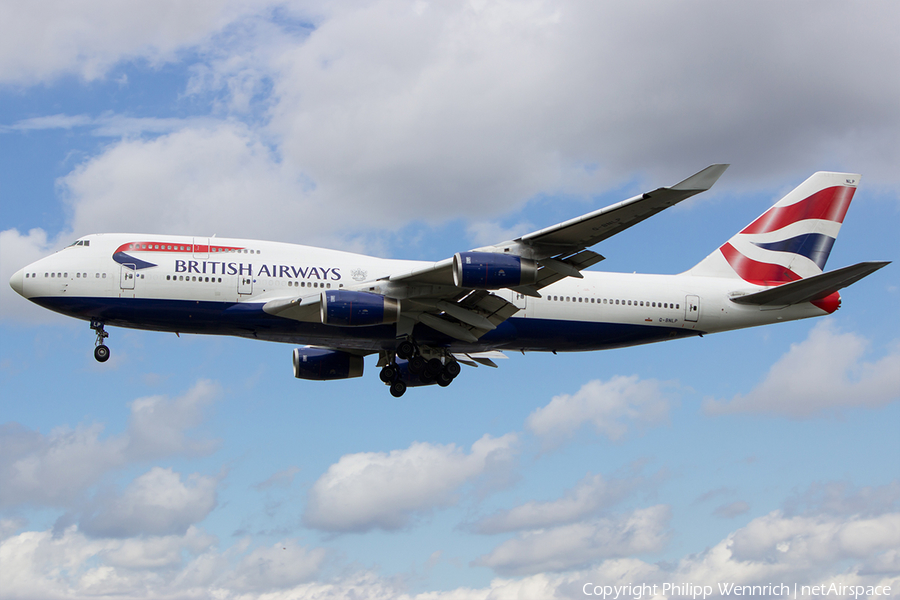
{"x": 198, "y": 467}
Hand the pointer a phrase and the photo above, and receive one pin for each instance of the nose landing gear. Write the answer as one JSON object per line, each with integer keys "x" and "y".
{"x": 101, "y": 350}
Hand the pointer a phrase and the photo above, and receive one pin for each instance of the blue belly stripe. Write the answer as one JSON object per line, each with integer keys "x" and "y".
{"x": 247, "y": 319}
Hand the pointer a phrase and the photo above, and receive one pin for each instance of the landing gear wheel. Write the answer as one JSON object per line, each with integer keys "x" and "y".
{"x": 452, "y": 369}
{"x": 443, "y": 379}
{"x": 417, "y": 365}
{"x": 433, "y": 367}
{"x": 406, "y": 350}
{"x": 101, "y": 353}
{"x": 389, "y": 374}
{"x": 398, "y": 388}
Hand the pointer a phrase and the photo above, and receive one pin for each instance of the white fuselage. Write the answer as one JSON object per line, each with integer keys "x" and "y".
{"x": 218, "y": 286}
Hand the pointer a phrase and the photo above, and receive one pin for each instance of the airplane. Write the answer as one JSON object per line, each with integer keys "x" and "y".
{"x": 425, "y": 319}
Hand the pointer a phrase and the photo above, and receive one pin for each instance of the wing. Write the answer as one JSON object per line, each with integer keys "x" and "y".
{"x": 561, "y": 250}
{"x": 456, "y": 296}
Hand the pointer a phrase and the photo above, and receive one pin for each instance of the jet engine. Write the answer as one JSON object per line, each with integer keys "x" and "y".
{"x": 346, "y": 308}
{"x": 492, "y": 271}
{"x": 322, "y": 364}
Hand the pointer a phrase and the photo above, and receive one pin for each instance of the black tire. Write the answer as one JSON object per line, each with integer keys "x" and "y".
{"x": 101, "y": 353}
{"x": 452, "y": 369}
{"x": 433, "y": 367}
{"x": 443, "y": 379}
{"x": 389, "y": 374}
{"x": 398, "y": 388}
{"x": 406, "y": 350}
{"x": 417, "y": 365}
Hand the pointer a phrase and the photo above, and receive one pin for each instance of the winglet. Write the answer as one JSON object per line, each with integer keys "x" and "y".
{"x": 703, "y": 180}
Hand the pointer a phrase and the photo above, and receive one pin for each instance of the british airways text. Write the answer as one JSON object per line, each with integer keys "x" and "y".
{"x": 232, "y": 268}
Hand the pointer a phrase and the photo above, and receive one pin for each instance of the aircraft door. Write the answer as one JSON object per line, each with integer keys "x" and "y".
{"x": 692, "y": 308}
{"x": 245, "y": 284}
{"x": 201, "y": 248}
{"x": 126, "y": 276}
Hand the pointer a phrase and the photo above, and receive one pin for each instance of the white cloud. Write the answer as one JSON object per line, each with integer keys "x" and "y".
{"x": 458, "y": 109}
{"x": 221, "y": 179}
{"x": 400, "y": 112}
{"x": 157, "y": 426}
{"x": 815, "y": 539}
{"x": 39, "y": 564}
{"x": 611, "y": 407}
{"x": 825, "y": 372}
{"x": 590, "y": 496}
{"x": 57, "y": 468}
{"x": 281, "y": 566}
{"x": 39, "y": 43}
{"x": 812, "y": 549}
{"x": 156, "y": 503}
{"x": 580, "y": 544}
{"x": 381, "y": 490}
{"x": 50, "y": 469}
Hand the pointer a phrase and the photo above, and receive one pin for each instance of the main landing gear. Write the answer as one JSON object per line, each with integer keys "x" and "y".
{"x": 101, "y": 350}
{"x": 418, "y": 369}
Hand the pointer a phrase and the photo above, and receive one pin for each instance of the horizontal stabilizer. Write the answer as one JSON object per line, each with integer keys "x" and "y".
{"x": 811, "y": 288}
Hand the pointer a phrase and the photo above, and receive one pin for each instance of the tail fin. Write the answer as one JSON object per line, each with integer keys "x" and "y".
{"x": 791, "y": 240}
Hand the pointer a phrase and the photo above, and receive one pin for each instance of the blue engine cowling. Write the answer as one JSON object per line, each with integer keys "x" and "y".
{"x": 346, "y": 308}
{"x": 321, "y": 364}
{"x": 492, "y": 271}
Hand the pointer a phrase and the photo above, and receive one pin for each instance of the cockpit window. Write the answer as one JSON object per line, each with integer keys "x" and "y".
{"x": 80, "y": 243}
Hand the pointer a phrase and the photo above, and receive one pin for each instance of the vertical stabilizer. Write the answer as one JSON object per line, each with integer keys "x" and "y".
{"x": 791, "y": 240}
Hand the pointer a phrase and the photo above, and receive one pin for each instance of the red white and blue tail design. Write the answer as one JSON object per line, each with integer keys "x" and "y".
{"x": 791, "y": 240}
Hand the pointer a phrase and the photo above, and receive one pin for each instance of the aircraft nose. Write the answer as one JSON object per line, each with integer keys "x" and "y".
{"x": 17, "y": 282}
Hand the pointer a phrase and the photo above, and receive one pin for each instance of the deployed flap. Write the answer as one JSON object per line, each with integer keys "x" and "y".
{"x": 594, "y": 227}
{"x": 473, "y": 359}
{"x": 811, "y": 288}
{"x": 469, "y": 317}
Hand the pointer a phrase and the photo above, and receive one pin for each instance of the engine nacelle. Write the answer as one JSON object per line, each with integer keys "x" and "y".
{"x": 321, "y": 364}
{"x": 492, "y": 271}
{"x": 346, "y": 308}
